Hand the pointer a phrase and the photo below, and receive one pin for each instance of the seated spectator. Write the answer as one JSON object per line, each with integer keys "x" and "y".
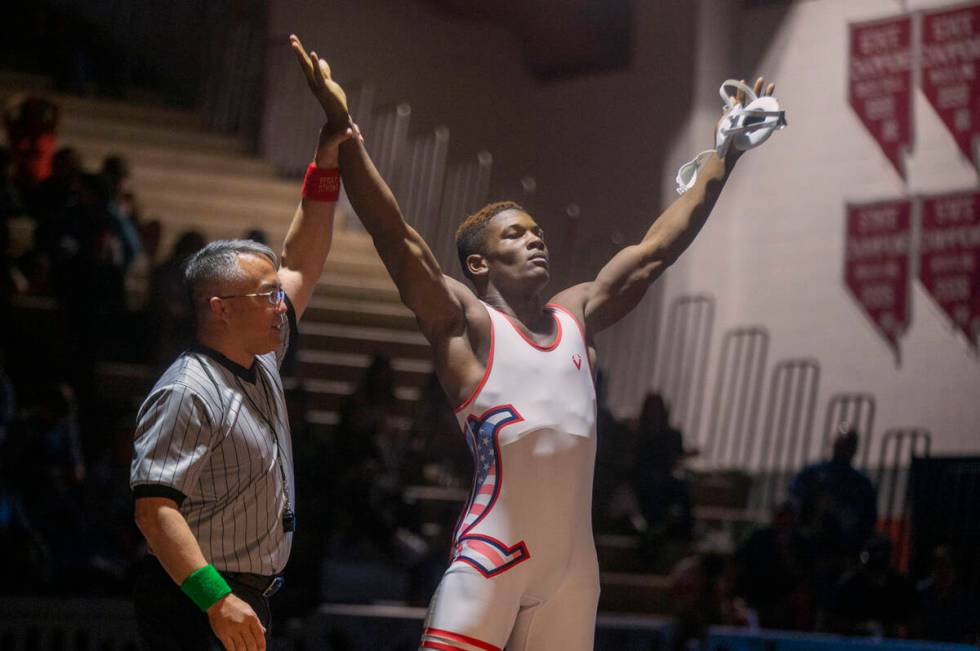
{"x": 837, "y": 489}
{"x": 122, "y": 207}
{"x": 366, "y": 458}
{"x": 257, "y": 235}
{"x": 614, "y": 507}
{"x": 10, "y": 202}
{"x": 837, "y": 510}
{"x": 875, "y": 599}
{"x": 701, "y": 596}
{"x": 661, "y": 487}
{"x": 32, "y": 124}
{"x": 950, "y": 611}
{"x": 773, "y": 573}
{"x": 440, "y": 455}
{"x": 47, "y": 470}
{"x": 169, "y": 305}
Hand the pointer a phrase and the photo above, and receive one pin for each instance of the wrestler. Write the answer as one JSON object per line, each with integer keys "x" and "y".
{"x": 518, "y": 367}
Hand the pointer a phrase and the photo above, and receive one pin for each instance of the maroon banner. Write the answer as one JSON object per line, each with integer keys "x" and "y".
{"x": 949, "y": 258}
{"x": 880, "y": 83}
{"x": 876, "y": 264}
{"x": 950, "y": 58}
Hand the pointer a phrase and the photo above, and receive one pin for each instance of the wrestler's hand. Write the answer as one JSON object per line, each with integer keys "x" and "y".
{"x": 236, "y": 625}
{"x": 739, "y": 98}
{"x": 328, "y": 147}
{"x": 328, "y": 92}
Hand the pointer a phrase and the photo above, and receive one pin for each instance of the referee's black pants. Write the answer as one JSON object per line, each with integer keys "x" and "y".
{"x": 167, "y": 619}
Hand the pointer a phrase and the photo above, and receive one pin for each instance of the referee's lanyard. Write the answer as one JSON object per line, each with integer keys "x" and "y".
{"x": 288, "y": 516}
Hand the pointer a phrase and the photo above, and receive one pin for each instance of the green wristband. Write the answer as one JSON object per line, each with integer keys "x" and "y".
{"x": 205, "y": 587}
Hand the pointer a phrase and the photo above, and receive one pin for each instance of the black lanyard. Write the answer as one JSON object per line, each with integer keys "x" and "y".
{"x": 275, "y": 437}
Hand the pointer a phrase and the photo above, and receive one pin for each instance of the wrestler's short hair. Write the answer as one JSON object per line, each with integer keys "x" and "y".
{"x": 210, "y": 270}
{"x": 470, "y": 236}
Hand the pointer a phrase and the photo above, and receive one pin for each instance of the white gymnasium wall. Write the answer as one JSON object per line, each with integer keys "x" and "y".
{"x": 774, "y": 252}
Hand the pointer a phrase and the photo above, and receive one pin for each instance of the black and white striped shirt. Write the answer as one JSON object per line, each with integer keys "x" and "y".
{"x": 214, "y": 437}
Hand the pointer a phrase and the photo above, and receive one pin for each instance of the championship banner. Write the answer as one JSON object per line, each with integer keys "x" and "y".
{"x": 880, "y": 83}
{"x": 949, "y": 258}
{"x": 876, "y": 264}
{"x": 950, "y": 60}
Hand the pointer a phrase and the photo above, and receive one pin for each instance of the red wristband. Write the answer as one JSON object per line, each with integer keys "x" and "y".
{"x": 321, "y": 184}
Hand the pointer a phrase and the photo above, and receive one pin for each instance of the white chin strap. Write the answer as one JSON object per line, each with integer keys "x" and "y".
{"x": 743, "y": 127}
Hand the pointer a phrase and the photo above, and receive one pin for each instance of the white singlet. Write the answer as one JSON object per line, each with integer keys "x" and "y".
{"x": 524, "y": 572}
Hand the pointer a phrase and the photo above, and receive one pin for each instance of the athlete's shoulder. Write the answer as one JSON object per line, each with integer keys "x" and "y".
{"x": 572, "y": 300}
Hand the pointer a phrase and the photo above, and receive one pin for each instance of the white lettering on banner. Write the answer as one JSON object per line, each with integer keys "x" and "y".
{"x": 878, "y": 296}
{"x": 875, "y": 247}
{"x": 965, "y": 237}
{"x": 882, "y": 64}
{"x": 951, "y": 288}
{"x": 957, "y": 209}
{"x": 881, "y": 39}
{"x": 952, "y": 263}
{"x": 954, "y": 26}
{"x": 950, "y": 54}
{"x": 878, "y": 219}
{"x": 877, "y": 87}
{"x": 953, "y": 96}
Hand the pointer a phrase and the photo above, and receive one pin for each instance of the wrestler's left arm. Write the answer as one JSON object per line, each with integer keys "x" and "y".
{"x": 624, "y": 280}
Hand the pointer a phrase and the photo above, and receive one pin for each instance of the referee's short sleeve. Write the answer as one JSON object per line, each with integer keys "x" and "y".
{"x": 175, "y": 433}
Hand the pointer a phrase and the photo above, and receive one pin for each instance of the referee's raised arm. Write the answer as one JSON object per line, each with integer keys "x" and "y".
{"x": 311, "y": 232}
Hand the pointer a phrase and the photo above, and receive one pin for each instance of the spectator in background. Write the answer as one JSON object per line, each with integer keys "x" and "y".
{"x": 366, "y": 462}
{"x": 10, "y": 203}
{"x": 8, "y": 398}
{"x": 875, "y": 599}
{"x": 835, "y": 490}
{"x": 773, "y": 573}
{"x": 438, "y": 457}
{"x": 701, "y": 596}
{"x": 837, "y": 511}
{"x": 257, "y": 235}
{"x": 661, "y": 487}
{"x": 950, "y": 611}
{"x": 170, "y": 307}
{"x": 613, "y": 504}
{"x": 50, "y": 206}
{"x": 11, "y": 279}
{"x": 47, "y": 470}
{"x": 369, "y": 420}
{"x": 32, "y": 124}
{"x": 122, "y": 208}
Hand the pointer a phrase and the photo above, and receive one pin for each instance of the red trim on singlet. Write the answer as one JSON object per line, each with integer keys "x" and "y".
{"x": 483, "y": 380}
{"x": 581, "y": 329}
{"x": 545, "y": 349}
{"x": 439, "y": 646}
{"x": 438, "y": 632}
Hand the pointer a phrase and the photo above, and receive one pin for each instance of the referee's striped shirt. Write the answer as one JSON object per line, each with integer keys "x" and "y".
{"x": 206, "y": 437}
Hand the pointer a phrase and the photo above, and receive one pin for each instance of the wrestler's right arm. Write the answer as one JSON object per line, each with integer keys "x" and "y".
{"x": 173, "y": 543}
{"x": 434, "y": 299}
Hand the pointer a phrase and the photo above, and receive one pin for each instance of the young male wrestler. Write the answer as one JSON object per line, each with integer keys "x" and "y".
{"x": 523, "y": 573}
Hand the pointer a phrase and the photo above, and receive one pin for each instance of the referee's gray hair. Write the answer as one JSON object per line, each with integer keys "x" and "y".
{"x": 216, "y": 265}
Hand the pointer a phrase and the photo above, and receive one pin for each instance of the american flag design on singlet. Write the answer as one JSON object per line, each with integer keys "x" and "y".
{"x": 485, "y": 553}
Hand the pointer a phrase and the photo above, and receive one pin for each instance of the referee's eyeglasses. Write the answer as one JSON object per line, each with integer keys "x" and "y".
{"x": 274, "y": 296}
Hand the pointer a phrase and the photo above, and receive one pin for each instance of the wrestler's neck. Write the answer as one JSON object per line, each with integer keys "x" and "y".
{"x": 227, "y": 346}
{"x": 527, "y": 308}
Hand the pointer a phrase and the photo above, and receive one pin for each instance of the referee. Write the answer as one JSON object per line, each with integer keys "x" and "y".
{"x": 212, "y": 469}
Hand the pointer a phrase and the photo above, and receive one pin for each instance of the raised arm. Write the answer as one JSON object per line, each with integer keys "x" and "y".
{"x": 624, "y": 280}
{"x": 307, "y": 243}
{"x": 421, "y": 283}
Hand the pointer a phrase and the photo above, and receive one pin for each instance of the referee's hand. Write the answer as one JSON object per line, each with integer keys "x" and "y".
{"x": 236, "y": 625}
